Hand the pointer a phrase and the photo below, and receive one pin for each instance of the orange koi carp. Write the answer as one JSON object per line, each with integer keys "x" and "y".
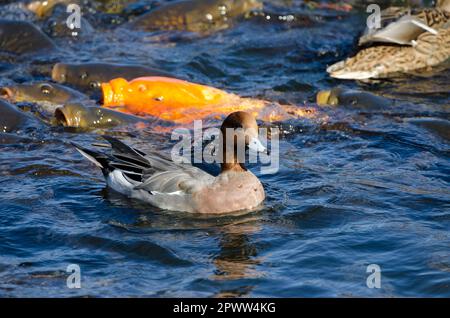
{"x": 179, "y": 101}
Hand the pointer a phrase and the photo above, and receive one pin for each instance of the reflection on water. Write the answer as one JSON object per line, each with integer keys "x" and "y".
{"x": 238, "y": 257}
{"x": 357, "y": 185}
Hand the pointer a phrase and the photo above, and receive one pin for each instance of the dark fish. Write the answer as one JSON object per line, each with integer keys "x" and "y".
{"x": 348, "y": 97}
{"x": 80, "y": 116}
{"x": 20, "y": 37}
{"x": 438, "y": 126}
{"x": 195, "y": 15}
{"x": 56, "y": 25}
{"x": 89, "y": 76}
{"x": 47, "y": 95}
{"x": 8, "y": 138}
{"x": 284, "y": 21}
{"x": 44, "y": 8}
{"x": 11, "y": 118}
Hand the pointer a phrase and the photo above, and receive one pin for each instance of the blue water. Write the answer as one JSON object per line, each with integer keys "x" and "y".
{"x": 363, "y": 187}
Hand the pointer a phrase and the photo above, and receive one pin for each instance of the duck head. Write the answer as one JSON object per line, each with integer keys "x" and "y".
{"x": 239, "y": 132}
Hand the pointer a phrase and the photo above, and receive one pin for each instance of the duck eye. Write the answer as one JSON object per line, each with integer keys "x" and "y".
{"x": 94, "y": 84}
{"x": 159, "y": 99}
{"x": 46, "y": 89}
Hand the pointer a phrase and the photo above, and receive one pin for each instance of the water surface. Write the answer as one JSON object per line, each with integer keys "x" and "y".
{"x": 364, "y": 187}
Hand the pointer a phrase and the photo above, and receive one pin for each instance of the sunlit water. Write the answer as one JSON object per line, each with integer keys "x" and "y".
{"x": 363, "y": 188}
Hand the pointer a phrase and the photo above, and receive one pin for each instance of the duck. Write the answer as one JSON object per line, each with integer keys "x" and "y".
{"x": 158, "y": 180}
{"x": 412, "y": 42}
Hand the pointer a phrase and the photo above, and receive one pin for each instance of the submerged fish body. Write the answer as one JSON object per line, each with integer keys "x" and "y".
{"x": 339, "y": 96}
{"x": 11, "y": 118}
{"x": 78, "y": 115}
{"x": 47, "y": 95}
{"x": 55, "y": 25}
{"x": 89, "y": 76}
{"x": 20, "y": 37}
{"x": 44, "y": 8}
{"x": 437, "y": 126}
{"x": 10, "y": 138}
{"x": 195, "y": 15}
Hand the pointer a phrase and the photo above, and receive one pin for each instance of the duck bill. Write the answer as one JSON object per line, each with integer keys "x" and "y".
{"x": 256, "y": 145}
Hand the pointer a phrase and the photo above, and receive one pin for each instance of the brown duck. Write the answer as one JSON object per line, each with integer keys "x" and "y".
{"x": 411, "y": 43}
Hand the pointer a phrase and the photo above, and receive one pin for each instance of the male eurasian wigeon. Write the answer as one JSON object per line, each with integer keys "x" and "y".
{"x": 182, "y": 187}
